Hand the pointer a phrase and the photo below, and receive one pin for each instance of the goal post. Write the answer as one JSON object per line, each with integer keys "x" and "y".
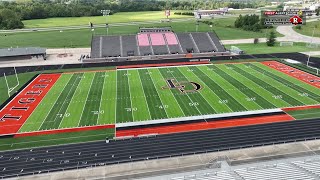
{"x": 10, "y": 89}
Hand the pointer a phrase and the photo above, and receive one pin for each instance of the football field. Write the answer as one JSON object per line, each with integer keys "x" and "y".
{"x": 134, "y": 95}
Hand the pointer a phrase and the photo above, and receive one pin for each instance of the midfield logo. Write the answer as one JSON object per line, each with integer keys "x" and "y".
{"x": 183, "y": 87}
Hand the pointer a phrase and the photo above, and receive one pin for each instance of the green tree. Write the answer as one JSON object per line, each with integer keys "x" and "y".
{"x": 10, "y": 20}
{"x": 271, "y": 39}
{"x": 318, "y": 11}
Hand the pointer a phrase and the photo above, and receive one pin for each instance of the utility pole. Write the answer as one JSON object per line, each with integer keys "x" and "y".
{"x": 106, "y": 14}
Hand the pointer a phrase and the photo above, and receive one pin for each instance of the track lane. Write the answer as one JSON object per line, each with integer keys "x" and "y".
{"x": 164, "y": 145}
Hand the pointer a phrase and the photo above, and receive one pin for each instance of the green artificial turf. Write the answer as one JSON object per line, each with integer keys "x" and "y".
{"x": 122, "y": 96}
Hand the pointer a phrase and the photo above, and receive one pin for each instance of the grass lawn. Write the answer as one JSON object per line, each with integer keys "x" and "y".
{"x": 55, "y": 139}
{"x": 305, "y": 114}
{"x": 82, "y": 38}
{"x": 262, "y": 48}
{"x": 120, "y": 17}
{"x": 308, "y": 29}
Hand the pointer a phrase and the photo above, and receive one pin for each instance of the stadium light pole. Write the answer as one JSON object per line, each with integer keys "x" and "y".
{"x": 106, "y": 14}
{"x": 314, "y": 28}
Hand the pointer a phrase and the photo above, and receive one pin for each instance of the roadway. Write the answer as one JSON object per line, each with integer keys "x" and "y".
{"x": 100, "y": 153}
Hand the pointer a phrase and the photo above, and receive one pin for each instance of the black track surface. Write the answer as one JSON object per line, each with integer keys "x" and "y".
{"x": 55, "y": 158}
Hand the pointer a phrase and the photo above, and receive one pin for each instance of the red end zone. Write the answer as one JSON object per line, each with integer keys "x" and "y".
{"x": 17, "y": 111}
{"x": 293, "y": 72}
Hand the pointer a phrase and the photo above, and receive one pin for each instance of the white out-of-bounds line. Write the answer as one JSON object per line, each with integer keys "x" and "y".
{"x": 159, "y": 67}
{"x": 223, "y": 115}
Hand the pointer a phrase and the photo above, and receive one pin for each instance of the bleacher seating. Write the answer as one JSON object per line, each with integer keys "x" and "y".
{"x": 158, "y": 43}
{"x": 310, "y": 166}
{"x": 172, "y": 43}
{"x": 157, "y": 39}
{"x": 143, "y": 40}
{"x": 111, "y": 46}
{"x": 145, "y": 50}
{"x": 186, "y": 43}
{"x": 154, "y": 43}
{"x": 203, "y": 42}
{"x": 277, "y": 171}
{"x": 222, "y": 175}
{"x": 129, "y": 44}
{"x": 171, "y": 38}
{"x": 216, "y": 41}
{"x": 95, "y": 47}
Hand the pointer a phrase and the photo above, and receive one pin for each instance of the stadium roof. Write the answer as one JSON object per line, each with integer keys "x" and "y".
{"x": 11, "y": 52}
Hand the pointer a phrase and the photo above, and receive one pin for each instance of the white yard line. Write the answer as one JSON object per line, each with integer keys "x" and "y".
{"x": 159, "y": 67}
{"x": 223, "y": 115}
{"x": 104, "y": 78}
{"x": 235, "y": 86}
{"x": 187, "y": 94}
{"x": 199, "y": 92}
{"x": 225, "y": 91}
{"x": 158, "y": 94}
{"x": 211, "y": 89}
{"x": 71, "y": 101}
{"x": 258, "y": 86}
{"x": 86, "y": 102}
{"x": 64, "y": 102}
{"x": 115, "y": 108}
{"x": 130, "y": 96}
{"x": 280, "y": 89}
{"x": 145, "y": 94}
{"x": 173, "y": 96}
{"x": 54, "y": 103}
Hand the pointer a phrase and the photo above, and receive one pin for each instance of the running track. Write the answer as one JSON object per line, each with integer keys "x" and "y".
{"x": 55, "y": 158}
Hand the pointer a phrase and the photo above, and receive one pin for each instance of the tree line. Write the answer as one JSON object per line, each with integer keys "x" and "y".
{"x": 43, "y": 9}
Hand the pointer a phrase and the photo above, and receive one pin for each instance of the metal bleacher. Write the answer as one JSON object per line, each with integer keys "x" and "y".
{"x": 276, "y": 171}
{"x": 155, "y": 43}
{"x": 203, "y": 42}
{"x": 111, "y": 46}
{"x": 222, "y": 175}
{"x": 158, "y": 43}
{"x": 129, "y": 44}
{"x": 302, "y": 169}
{"x": 186, "y": 42}
{"x": 216, "y": 42}
{"x": 95, "y": 46}
{"x": 309, "y": 166}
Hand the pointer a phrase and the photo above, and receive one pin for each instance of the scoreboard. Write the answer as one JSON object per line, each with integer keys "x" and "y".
{"x": 293, "y": 17}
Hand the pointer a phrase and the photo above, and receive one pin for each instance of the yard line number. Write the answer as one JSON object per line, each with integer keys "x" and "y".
{"x": 63, "y": 115}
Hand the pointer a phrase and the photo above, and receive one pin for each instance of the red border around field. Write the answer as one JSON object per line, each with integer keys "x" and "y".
{"x": 162, "y": 64}
{"x": 204, "y": 125}
{"x": 293, "y": 72}
{"x": 17, "y": 111}
{"x": 67, "y": 130}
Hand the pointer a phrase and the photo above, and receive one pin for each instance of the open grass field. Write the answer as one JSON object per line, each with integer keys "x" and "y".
{"x": 262, "y": 48}
{"x": 305, "y": 114}
{"x": 120, "y": 17}
{"x": 224, "y": 27}
{"x": 123, "y": 96}
{"x": 308, "y": 29}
